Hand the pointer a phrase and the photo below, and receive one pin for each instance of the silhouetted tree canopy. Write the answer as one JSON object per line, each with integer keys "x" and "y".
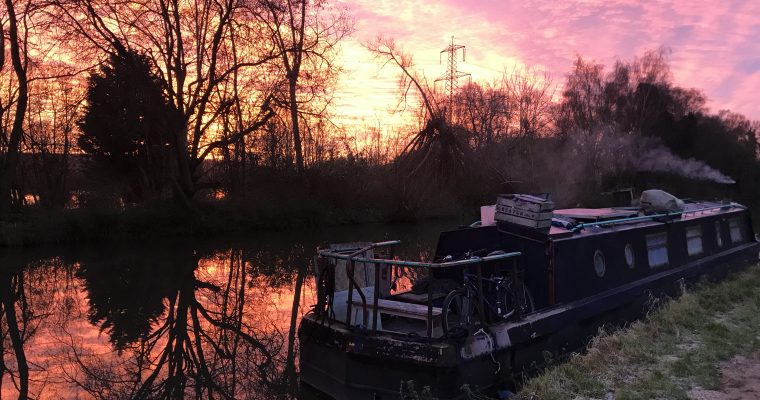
{"x": 128, "y": 124}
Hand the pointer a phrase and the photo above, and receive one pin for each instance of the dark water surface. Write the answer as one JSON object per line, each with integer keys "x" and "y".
{"x": 210, "y": 319}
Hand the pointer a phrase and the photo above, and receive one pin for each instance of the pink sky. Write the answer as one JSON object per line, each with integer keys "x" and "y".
{"x": 715, "y": 45}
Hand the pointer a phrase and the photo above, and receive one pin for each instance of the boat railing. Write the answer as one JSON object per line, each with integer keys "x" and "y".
{"x": 328, "y": 258}
{"x": 650, "y": 217}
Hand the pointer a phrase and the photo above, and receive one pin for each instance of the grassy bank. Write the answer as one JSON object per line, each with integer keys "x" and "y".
{"x": 676, "y": 348}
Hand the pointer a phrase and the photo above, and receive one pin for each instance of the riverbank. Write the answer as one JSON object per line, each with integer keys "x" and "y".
{"x": 220, "y": 218}
{"x": 677, "y": 352}
{"x": 163, "y": 221}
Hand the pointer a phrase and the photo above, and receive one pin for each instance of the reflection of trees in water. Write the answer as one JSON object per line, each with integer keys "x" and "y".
{"x": 126, "y": 294}
{"x": 31, "y": 292}
{"x": 177, "y": 322}
{"x": 276, "y": 268}
{"x": 181, "y": 329}
{"x": 16, "y": 317}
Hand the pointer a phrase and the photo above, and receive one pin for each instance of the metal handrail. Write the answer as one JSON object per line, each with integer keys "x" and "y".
{"x": 578, "y": 227}
{"x": 419, "y": 264}
{"x": 352, "y": 257}
{"x": 351, "y": 268}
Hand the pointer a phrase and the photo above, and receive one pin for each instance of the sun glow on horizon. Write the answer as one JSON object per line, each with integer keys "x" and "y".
{"x": 369, "y": 97}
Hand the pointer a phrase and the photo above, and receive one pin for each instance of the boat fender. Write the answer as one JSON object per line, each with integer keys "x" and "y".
{"x": 501, "y": 336}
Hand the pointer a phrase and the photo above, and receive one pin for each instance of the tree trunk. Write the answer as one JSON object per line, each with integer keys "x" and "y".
{"x": 294, "y": 122}
{"x": 184, "y": 189}
{"x": 12, "y": 157}
{"x": 2, "y": 48}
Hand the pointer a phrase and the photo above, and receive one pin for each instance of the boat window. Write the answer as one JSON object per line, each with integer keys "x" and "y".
{"x": 694, "y": 240}
{"x": 735, "y": 230}
{"x": 718, "y": 237}
{"x": 599, "y": 265}
{"x": 657, "y": 249}
{"x": 629, "y": 258}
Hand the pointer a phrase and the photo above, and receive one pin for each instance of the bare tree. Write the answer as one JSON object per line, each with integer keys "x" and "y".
{"x": 306, "y": 34}
{"x": 530, "y": 98}
{"x": 32, "y": 107}
{"x": 18, "y": 54}
{"x": 50, "y": 135}
{"x": 583, "y": 95}
{"x": 484, "y": 111}
{"x": 190, "y": 44}
{"x": 387, "y": 52}
{"x": 438, "y": 148}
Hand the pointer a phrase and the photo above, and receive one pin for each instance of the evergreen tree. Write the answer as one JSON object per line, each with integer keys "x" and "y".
{"x": 128, "y": 124}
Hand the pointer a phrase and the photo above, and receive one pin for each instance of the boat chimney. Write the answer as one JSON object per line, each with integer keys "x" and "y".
{"x": 725, "y": 203}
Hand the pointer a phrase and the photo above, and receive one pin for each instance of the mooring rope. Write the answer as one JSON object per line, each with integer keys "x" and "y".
{"x": 492, "y": 346}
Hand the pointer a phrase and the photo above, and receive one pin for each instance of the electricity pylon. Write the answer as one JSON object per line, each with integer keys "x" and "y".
{"x": 452, "y": 75}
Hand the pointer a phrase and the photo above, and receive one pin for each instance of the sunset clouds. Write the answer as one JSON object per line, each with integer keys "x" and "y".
{"x": 714, "y": 45}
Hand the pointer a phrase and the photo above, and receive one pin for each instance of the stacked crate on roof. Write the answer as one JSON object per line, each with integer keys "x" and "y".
{"x": 526, "y": 210}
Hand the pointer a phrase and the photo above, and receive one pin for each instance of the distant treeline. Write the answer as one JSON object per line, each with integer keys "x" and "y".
{"x": 630, "y": 126}
{"x": 223, "y": 109}
{"x": 627, "y": 127}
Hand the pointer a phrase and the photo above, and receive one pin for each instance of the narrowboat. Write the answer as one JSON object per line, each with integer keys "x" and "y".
{"x": 529, "y": 282}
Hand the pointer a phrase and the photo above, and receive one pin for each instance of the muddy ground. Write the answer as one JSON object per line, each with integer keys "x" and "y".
{"x": 740, "y": 379}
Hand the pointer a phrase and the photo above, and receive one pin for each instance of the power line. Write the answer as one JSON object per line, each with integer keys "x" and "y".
{"x": 452, "y": 75}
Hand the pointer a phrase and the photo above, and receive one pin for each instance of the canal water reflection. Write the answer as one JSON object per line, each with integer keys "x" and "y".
{"x": 211, "y": 319}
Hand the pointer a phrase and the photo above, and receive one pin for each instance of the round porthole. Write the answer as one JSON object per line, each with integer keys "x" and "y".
{"x": 599, "y": 266}
{"x": 629, "y": 259}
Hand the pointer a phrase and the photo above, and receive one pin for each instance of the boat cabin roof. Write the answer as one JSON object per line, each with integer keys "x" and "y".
{"x": 596, "y": 214}
{"x": 590, "y": 221}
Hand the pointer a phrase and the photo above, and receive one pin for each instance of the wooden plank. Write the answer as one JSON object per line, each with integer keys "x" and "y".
{"x": 595, "y": 214}
{"x": 403, "y": 309}
{"x": 417, "y": 298}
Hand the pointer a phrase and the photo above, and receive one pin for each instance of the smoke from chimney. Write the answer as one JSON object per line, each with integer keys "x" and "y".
{"x": 660, "y": 159}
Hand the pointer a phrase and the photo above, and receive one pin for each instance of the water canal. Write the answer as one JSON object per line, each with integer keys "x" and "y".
{"x": 211, "y": 318}
{"x": 207, "y": 318}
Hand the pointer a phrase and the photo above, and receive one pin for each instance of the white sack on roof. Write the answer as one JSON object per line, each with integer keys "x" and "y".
{"x": 657, "y": 201}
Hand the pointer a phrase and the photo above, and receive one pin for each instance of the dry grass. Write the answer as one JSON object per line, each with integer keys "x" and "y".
{"x": 676, "y": 348}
